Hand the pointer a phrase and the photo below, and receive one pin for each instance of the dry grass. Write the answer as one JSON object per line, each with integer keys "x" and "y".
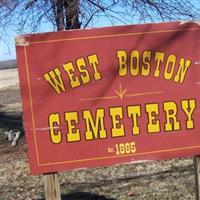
{"x": 172, "y": 179}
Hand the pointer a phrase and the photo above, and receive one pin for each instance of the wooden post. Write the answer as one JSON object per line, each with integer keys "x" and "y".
{"x": 52, "y": 186}
{"x": 197, "y": 176}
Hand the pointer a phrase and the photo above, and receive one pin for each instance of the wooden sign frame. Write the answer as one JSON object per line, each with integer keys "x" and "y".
{"x": 178, "y": 131}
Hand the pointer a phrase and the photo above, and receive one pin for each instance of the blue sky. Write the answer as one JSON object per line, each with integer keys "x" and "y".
{"x": 7, "y": 45}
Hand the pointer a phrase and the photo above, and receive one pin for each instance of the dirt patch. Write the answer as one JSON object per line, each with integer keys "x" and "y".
{"x": 8, "y": 77}
{"x": 172, "y": 179}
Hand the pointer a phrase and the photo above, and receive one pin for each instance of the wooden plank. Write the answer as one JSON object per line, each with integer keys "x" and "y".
{"x": 52, "y": 186}
{"x": 197, "y": 175}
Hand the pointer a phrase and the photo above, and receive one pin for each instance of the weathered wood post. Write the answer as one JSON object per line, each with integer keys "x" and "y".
{"x": 196, "y": 174}
{"x": 52, "y": 186}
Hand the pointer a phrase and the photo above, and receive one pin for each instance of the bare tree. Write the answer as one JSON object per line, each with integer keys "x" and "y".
{"x": 29, "y": 15}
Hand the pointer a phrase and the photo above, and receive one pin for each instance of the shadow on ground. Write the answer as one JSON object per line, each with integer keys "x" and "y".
{"x": 83, "y": 196}
{"x": 11, "y": 121}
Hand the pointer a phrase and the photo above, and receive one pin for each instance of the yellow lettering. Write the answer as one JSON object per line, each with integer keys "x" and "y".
{"x": 153, "y": 123}
{"x": 134, "y": 62}
{"x": 188, "y": 107}
{"x": 55, "y": 80}
{"x": 171, "y": 61}
{"x": 56, "y": 137}
{"x": 94, "y": 130}
{"x": 117, "y": 128}
{"x": 73, "y": 134}
{"x": 184, "y": 65}
{"x": 74, "y": 81}
{"x": 93, "y": 60}
{"x": 146, "y": 63}
{"x": 159, "y": 57}
{"x": 85, "y": 77}
{"x": 172, "y": 123}
{"x": 134, "y": 112}
{"x": 122, "y": 58}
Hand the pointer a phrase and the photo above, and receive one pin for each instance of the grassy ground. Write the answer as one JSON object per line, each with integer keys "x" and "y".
{"x": 166, "y": 180}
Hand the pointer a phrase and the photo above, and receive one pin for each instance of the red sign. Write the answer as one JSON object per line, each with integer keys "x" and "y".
{"x": 110, "y": 95}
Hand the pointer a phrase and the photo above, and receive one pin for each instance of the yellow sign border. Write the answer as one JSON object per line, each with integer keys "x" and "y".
{"x": 85, "y": 38}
